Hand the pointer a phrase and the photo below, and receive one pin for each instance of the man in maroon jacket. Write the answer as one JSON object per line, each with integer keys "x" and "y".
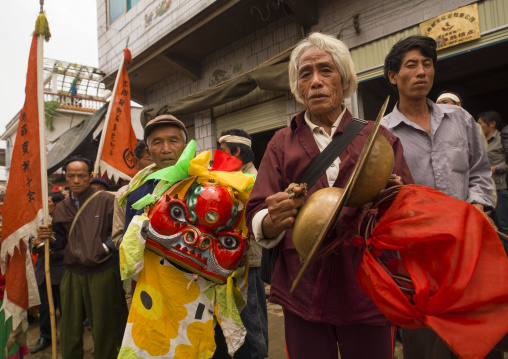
{"x": 327, "y": 312}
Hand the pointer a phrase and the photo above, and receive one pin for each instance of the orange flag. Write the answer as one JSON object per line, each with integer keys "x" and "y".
{"x": 117, "y": 158}
{"x": 22, "y": 204}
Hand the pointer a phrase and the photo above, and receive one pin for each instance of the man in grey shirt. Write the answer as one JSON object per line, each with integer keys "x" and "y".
{"x": 442, "y": 147}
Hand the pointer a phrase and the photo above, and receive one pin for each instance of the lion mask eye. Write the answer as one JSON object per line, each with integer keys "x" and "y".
{"x": 229, "y": 242}
{"x": 177, "y": 213}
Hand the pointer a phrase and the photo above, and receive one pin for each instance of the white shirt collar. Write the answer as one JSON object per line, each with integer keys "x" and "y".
{"x": 313, "y": 127}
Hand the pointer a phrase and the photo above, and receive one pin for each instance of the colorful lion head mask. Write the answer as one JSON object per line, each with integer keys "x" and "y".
{"x": 197, "y": 227}
{"x": 198, "y": 223}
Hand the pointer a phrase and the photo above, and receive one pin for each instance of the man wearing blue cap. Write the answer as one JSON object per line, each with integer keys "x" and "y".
{"x": 99, "y": 184}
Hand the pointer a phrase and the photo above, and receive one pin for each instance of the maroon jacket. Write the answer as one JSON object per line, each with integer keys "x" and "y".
{"x": 328, "y": 291}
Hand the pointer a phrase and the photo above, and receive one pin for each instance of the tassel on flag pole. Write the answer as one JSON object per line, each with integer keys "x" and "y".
{"x": 116, "y": 148}
{"x": 42, "y": 26}
{"x": 42, "y": 31}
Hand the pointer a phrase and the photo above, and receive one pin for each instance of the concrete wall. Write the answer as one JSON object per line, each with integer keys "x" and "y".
{"x": 245, "y": 53}
{"x": 377, "y": 18}
{"x": 204, "y": 132}
{"x": 145, "y": 23}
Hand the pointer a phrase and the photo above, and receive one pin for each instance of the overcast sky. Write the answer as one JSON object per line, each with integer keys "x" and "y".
{"x": 73, "y": 26}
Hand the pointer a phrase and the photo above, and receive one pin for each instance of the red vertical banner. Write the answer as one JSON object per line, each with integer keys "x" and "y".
{"x": 117, "y": 158}
{"x": 22, "y": 203}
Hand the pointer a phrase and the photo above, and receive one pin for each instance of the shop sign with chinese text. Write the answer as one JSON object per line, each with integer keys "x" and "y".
{"x": 454, "y": 27}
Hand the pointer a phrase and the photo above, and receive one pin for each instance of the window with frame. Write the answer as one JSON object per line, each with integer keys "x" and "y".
{"x": 118, "y": 7}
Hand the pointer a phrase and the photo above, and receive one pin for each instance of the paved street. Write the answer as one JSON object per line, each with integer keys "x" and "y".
{"x": 275, "y": 331}
{"x": 277, "y": 348}
{"x": 276, "y": 344}
{"x": 33, "y": 335}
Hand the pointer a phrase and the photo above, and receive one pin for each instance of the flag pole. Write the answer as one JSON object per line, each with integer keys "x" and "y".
{"x": 42, "y": 24}
{"x": 108, "y": 115}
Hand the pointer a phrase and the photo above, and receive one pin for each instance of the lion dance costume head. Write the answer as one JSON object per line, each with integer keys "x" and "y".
{"x": 197, "y": 220}
{"x": 198, "y": 227}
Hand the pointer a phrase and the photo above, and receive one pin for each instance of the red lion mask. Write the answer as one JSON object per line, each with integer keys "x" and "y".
{"x": 196, "y": 226}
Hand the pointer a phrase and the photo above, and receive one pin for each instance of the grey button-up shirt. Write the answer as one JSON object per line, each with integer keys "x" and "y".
{"x": 497, "y": 157}
{"x": 452, "y": 160}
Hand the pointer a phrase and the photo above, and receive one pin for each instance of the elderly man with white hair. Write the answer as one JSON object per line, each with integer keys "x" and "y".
{"x": 327, "y": 312}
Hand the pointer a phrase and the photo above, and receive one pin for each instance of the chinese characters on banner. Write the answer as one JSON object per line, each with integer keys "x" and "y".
{"x": 22, "y": 203}
{"x": 117, "y": 156}
{"x": 454, "y": 27}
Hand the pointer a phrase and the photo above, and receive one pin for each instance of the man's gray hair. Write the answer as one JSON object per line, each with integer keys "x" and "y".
{"x": 340, "y": 55}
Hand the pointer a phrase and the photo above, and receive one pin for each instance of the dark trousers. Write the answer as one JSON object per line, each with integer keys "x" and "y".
{"x": 44, "y": 315}
{"x": 500, "y": 215}
{"x": 255, "y": 318}
{"x": 93, "y": 296}
{"x": 425, "y": 344}
{"x": 306, "y": 339}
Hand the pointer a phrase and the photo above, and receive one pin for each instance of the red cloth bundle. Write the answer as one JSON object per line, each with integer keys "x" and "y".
{"x": 456, "y": 262}
{"x": 224, "y": 162}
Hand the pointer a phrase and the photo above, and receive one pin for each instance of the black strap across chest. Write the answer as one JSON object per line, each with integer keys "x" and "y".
{"x": 331, "y": 152}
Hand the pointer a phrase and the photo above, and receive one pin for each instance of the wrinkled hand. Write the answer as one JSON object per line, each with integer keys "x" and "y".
{"x": 282, "y": 212}
{"x": 296, "y": 190}
{"x": 394, "y": 181}
{"x": 45, "y": 232}
{"x": 491, "y": 221}
{"x": 480, "y": 208}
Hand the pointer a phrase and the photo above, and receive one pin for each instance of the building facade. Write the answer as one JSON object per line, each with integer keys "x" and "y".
{"x": 220, "y": 64}
{"x": 72, "y": 94}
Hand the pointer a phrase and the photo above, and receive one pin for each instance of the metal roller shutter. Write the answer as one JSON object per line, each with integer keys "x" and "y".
{"x": 258, "y": 118}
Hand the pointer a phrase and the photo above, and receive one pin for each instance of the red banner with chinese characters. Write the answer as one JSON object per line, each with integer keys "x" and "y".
{"x": 117, "y": 158}
{"x": 22, "y": 203}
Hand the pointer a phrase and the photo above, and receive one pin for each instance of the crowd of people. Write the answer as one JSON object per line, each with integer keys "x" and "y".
{"x": 436, "y": 144}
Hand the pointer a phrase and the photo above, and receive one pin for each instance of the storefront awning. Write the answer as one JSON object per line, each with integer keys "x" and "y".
{"x": 76, "y": 140}
{"x": 270, "y": 77}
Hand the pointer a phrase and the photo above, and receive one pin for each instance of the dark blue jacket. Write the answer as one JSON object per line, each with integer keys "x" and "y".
{"x": 134, "y": 196}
